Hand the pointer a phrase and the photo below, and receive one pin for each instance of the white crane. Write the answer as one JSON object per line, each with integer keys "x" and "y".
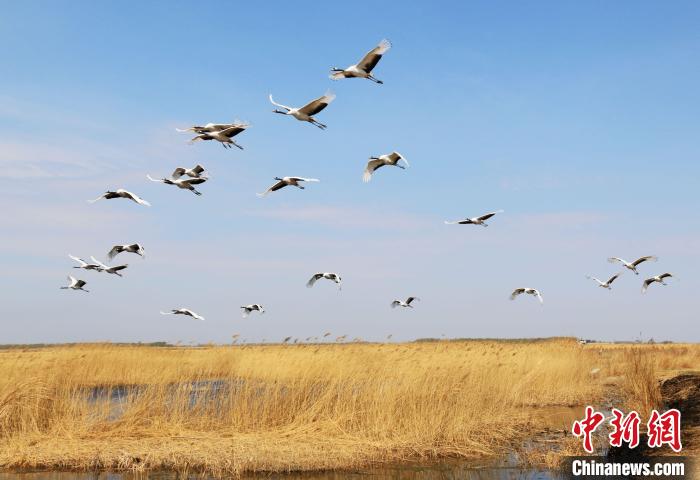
{"x": 375, "y": 163}
{"x": 633, "y": 265}
{"x": 121, "y": 193}
{"x": 363, "y": 68}
{"x": 222, "y": 133}
{"x": 185, "y": 184}
{"x": 306, "y": 113}
{"x": 197, "y": 171}
{"x": 285, "y": 181}
{"x": 75, "y": 284}
{"x": 657, "y": 279}
{"x": 209, "y": 127}
{"x": 327, "y": 275}
{"x": 529, "y": 291}
{"x": 474, "y": 221}
{"x": 252, "y": 308}
{"x": 85, "y": 265}
{"x": 113, "y": 270}
{"x": 132, "y": 248}
{"x": 183, "y": 311}
{"x": 405, "y": 304}
{"x": 603, "y": 284}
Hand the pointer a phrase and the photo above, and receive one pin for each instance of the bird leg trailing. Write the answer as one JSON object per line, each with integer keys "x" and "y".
{"x": 375, "y": 80}
{"x": 317, "y": 123}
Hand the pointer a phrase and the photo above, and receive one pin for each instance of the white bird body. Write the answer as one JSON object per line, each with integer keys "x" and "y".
{"x": 121, "y": 193}
{"x": 306, "y": 113}
{"x": 85, "y": 265}
{"x": 404, "y": 303}
{"x": 334, "y": 277}
{"x": 252, "y": 308}
{"x": 390, "y": 159}
{"x": 474, "y": 221}
{"x": 633, "y": 265}
{"x": 222, "y": 133}
{"x": 183, "y": 183}
{"x": 75, "y": 284}
{"x": 113, "y": 270}
{"x": 132, "y": 248}
{"x": 527, "y": 290}
{"x": 183, "y": 311}
{"x": 606, "y": 284}
{"x": 363, "y": 68}
{"x": 285, "y": 181}
{"x": 657, "y": 279}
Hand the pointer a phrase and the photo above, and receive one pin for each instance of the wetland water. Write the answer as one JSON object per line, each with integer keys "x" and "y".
{"x": 433, "y": 472}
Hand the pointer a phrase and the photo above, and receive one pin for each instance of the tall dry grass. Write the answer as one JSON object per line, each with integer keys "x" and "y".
{"x": 227, "y": 410}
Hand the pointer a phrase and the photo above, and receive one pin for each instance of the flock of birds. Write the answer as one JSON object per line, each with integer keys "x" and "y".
{"x": 224, "y": 133}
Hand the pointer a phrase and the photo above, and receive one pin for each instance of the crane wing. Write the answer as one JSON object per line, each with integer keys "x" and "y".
{"x": 315, "y": 106}
{"x": 371, "y": 58}
{"x": 372, "y": 165}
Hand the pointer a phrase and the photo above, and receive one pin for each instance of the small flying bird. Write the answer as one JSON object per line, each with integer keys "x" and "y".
{"x": 195, "y": 172}
{"x": 183, "y": 311}
{"x": 133, "y": 248}
{"x": 529, "y": 291}
{"x": 327, "y": 334}
{"x": 113, "y": 270}
{"x": 474, "y": 221}
{"x": 223, "y": 135}
{"x": 85, "y": 265}
{"x": 363, "y": 69}
{"x": 328, "y": 276}
{"x": 75, "y": 284}
{"x": 251, "y": 308}
{"x": 286, "y": 339}
{"x": 401, "y": 303}
{"x": 375, "y": 163}
{"x": 656, "y": 279}
{"x": 605, "y": 284}
{"x": 306, "y": 113}
{"x": 121, "y": 193}
{"x": 209, "y": 127}
{"x": 185, "y": 184}
{"x": 633, "y": 266}
{"x": 284, "y": 181}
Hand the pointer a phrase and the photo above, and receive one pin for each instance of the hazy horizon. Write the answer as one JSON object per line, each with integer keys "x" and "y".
{"x": 579, "y": 121}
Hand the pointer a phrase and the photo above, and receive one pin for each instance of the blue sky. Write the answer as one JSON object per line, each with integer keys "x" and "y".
{"x": 579, "y": 120}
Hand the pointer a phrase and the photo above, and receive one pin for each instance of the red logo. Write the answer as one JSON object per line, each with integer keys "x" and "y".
{"x": 665, "y": 429}
{"x": 624, "y": 428}
{"x": 585, "y": 428}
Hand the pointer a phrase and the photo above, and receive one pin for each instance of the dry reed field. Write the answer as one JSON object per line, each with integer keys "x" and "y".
{"x": 232, "y": 409}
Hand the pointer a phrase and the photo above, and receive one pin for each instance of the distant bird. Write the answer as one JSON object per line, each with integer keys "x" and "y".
{"x": 375, "y": 163}
{"x": 75, "y": 284}
{"x": 656, "y": 279}
{"x": 113, "y": 270}
{"x": 328, "y": 276}
{"x": 633, "y": 266}
{"x": 327, "y": 334}
{"x": 133, "y": 248}
{"x": 474, "y": 221}
{"x": 121, "y": 193}
{"x": 284, "y": 181}
{"x": 185, "y": 184}
{"x": 209, "y": 127}
{"x": 582, "y": 341}
{"x": 222, "y": 133}
{"x": 306, "y": 113}
{"x": 529, "y": 291}
{"x": 286, "y": 339}
{"x": 363, "y": 69}
{"x": 195, "y": 172}
{"x": 605, "y": 284}
{"x": 183, "y": 311}
{"x": 85, "y": 265}
{"x": 401, "y": 303}
{"x": 251, "y": 308}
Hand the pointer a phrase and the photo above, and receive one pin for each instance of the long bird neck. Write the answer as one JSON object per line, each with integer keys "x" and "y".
{"x": 280, "y": 111}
